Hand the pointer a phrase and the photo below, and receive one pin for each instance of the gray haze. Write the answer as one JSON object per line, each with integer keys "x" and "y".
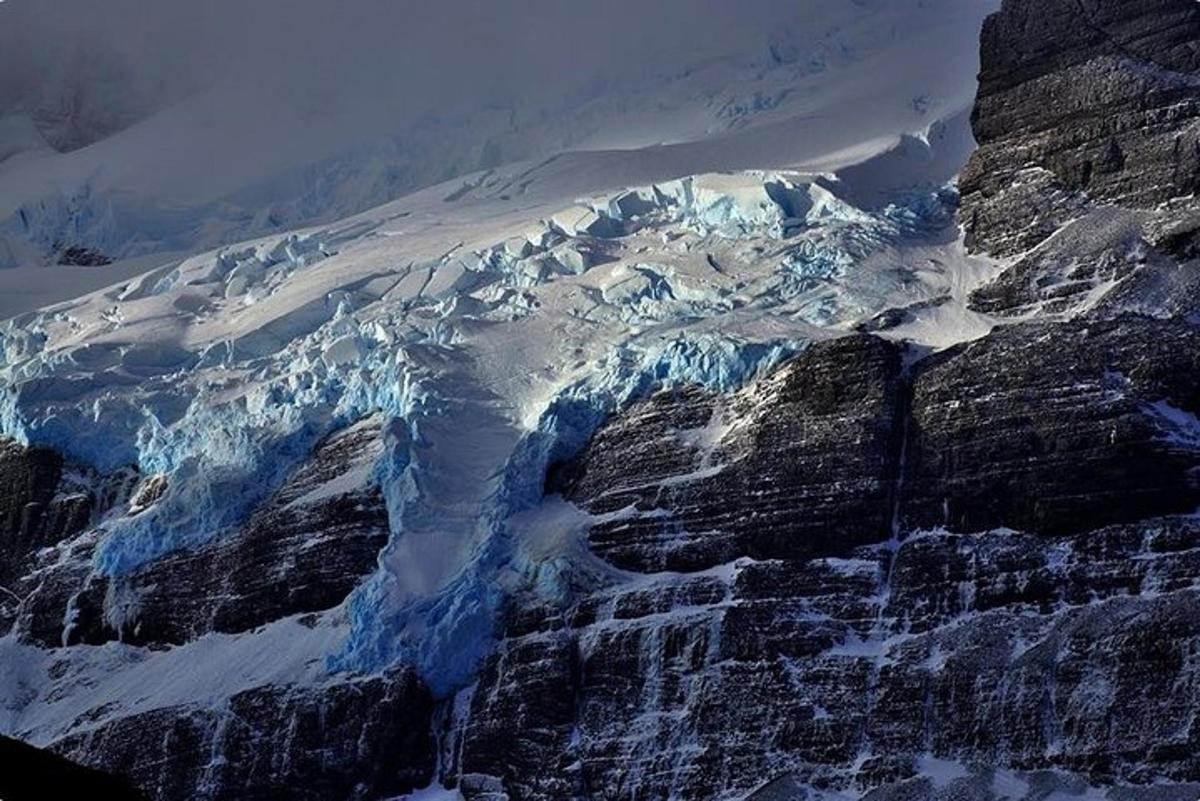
{"x": 139, "y": 127}
{"x": 368, "y": 63}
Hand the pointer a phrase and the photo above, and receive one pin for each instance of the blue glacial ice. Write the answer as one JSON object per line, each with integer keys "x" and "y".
{"x": 446, "y": 635}
{"x": 226, "y": 422}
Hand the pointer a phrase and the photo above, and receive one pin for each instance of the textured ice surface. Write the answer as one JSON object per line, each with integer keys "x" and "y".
{"x": 448, "y": 632}
{"x": 495, "y": 341}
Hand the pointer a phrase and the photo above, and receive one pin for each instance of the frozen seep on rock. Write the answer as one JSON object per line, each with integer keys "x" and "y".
{"x": 866, "y": 606}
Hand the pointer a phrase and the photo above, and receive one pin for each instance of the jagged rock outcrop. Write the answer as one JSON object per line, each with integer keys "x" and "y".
{"x": 691, "y": 480}
{"x": 368, "y": 738}
{"x": 1057, "y": 428}
{"x": 1025, "y": 653}
{"x": 303, "y": 550}
{"x": 1110, "y": 260}
{"x": 45, "y": 503}
{"x": 1037, "y": 562}
{"x": 1081, "y": 102}
{"x": 1088, "y": 123}
{"x": 33, "y": 513}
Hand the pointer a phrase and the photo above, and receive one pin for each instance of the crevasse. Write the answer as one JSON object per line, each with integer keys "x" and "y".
{"x": 224, "y": 419}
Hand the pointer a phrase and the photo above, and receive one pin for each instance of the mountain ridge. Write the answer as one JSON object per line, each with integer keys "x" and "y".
{"x": 754, "y": 485}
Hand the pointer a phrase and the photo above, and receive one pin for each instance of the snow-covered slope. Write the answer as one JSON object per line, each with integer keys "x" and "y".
{"x": 499, "y": 343}
{"x": 698, "y": 231}
{"x": 808, "y": 84}
{"x": 668, "y": 448}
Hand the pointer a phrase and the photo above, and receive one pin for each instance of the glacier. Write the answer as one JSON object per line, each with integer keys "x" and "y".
{"x": 686, "y": 233}
{"x": 491, "y": 360}
{"x": 447, "y": 634}
{"x": 140, "y": 189}
{"x": 479, "y": 441}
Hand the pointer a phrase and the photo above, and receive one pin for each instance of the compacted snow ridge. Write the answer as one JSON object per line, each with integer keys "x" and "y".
{"x": 125, "y": 680}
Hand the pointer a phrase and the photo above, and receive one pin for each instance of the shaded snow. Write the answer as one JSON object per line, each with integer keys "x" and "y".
{"x": 813, "y": 86}
{"x": 39, "y": 704}
{"x": 496, "y": 320}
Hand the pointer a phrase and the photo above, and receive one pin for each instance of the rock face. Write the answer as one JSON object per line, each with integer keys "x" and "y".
{"x": 358, "y": 739}
{"x": 689, "y": 481}
{"x": 44, "y": 502}
{"x": 1081, "y": 101}
{"x": 1088, "y": 121}
{"x": 303, "y": 550}
{"x": 1108, "y": 261}
{"x": 1000, "y": 649}
{"x": 1035, "y": 612}
{"x": 1057, "y": 428}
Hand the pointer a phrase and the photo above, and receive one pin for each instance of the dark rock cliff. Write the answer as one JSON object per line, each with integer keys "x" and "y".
{"x": 31, "y": 774}
{"x": 706, "y": 479}
{"x": 1081, "y": 102}
{"x": 301, "y": 552}
{"x": 367, "y": 738}
{"x": 855, "y": 574}
{"x": 1040, "y": 554}
{"x": 1088, "y": 123}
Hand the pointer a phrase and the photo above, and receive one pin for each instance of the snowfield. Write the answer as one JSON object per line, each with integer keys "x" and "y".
{"x": 700, "y": 233}
{"x": 827, "y": 87}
